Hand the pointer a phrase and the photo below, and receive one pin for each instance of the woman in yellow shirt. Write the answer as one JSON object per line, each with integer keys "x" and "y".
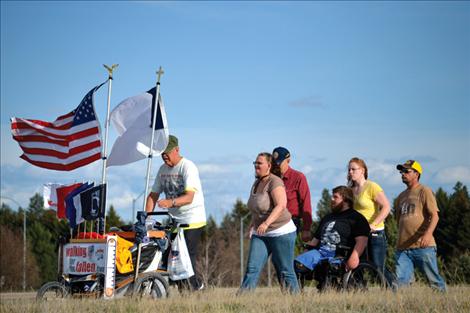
{"x": 370, "y": 201}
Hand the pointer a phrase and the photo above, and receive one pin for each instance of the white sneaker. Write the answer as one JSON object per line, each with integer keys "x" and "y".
{"x": 201, "y": 287}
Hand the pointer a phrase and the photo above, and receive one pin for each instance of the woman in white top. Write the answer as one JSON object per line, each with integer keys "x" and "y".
{"x": 272, "y": 230}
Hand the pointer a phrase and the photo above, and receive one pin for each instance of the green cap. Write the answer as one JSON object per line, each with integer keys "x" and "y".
{"x": 172, "y": 143}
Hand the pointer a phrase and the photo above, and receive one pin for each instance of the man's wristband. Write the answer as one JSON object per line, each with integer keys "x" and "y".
{"x": 173, "y": 203}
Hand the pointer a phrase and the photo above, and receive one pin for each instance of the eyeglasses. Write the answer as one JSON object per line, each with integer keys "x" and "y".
{"x": 257, "y": 163}
{"x": 354, "y": 169}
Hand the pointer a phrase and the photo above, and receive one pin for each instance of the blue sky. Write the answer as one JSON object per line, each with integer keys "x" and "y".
{"x": 385, "y": 81}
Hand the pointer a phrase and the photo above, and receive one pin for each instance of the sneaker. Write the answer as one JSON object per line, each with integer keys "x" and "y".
{"x": 201, "y": 287}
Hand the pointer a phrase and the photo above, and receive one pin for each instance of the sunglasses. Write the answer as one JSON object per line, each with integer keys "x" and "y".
{"x": 405, "y": 171}
{"x": 257, "y": 163}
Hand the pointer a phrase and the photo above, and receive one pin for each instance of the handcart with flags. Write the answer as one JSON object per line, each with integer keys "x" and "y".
{"x": 127, "y": 261}
{"x": 92, "y": 262}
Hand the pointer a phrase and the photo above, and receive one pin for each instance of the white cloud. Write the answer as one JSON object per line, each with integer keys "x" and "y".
{"x": 20, "y": 195}
{"x": 10, "y": 151}
{"x": 213, "y": 169}
{"x": 134, "y": 171}
{"x": 384, "y": 173}
{"x": 329, "y": 177}
{"x": 121, "y": 196}
{"x": 451, "y": 175}
{"x": 307, "y": 169}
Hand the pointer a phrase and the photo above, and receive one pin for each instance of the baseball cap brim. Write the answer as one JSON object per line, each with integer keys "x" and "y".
{"x": 401, "y": 167}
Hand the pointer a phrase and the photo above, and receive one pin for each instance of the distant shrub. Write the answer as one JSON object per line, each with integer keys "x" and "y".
{"x": 457, "y": 271}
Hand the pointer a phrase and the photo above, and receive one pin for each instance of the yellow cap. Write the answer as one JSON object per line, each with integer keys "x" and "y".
{"x": 411, "y": 164}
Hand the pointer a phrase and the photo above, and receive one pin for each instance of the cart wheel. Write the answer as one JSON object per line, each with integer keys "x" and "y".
{"x": 151, "y": 285}
{"x": 52, "y": 291}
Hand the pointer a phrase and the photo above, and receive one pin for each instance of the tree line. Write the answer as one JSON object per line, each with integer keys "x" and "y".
{"x": 219, "y": 251}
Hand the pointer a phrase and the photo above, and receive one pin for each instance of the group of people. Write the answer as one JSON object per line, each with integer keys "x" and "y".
{"x": 281, "y": 211}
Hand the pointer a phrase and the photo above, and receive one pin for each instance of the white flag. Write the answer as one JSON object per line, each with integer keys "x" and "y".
{"x": 50, "y": 195}
{"x": 132, "y": 119}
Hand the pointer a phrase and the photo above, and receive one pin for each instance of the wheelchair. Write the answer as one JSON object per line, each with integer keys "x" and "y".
{"x": 331, "y": 274}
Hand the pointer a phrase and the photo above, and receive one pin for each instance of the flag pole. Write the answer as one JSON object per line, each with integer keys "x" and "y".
{"x": 110, "y": 70}
{"x": 154, "y": 118}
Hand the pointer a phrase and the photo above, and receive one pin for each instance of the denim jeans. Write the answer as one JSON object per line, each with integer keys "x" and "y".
{"x": 311, "y": 258}
{"x": 425, "y": 260}
{"x": 377, "y": 249}
{"x": 282, "y": 250}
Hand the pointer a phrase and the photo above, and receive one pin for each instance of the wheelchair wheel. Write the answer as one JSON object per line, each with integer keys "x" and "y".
{"x": 365, "y": 277}
{"x": 303, "y": 278}
{"x": 151, "y": 285}
{"x": 52, "y": 291}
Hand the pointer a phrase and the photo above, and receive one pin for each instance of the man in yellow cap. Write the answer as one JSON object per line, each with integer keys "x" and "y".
{"x": 417, "y": 215}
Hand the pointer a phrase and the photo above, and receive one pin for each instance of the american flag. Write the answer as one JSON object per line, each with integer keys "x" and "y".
{"x": 71, "y": 141}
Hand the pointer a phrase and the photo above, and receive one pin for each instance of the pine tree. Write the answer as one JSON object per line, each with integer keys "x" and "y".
{"x": 209, "y": 230}
{"x": 323, "y": 208}
{"x": 445, "y": 239}
{"x": 44, "y": 248}
{"x": 113, "y": 219}
{"x": 451, "y": 234}
{"x": 36, "y": 204}
{"x": 391, "y": 232}
{"x": 324, "y": 205}
{"x": 461, "y": 201}
{"x": 43, "y": 232}
{"x": 10, "y": 218}
{"x": 454, "y": 222}
{"x": 229, "y": 243}
{"x": 239, "y": 210}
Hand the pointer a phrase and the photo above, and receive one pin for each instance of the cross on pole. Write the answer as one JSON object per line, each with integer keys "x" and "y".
{"x": 160, "y": 72}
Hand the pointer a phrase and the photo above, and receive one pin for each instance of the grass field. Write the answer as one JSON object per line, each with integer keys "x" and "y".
{"x": 263, "y": 300}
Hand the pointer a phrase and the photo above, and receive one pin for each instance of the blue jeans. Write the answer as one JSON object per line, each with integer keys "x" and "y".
{"x": 282, "y": 250}
{"x": 377, "y": 249}
{"x": 310, "y": 259}
{"x": 425, "y": 260}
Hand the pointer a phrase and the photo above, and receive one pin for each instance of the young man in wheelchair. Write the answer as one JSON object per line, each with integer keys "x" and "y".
{"x": 341, "y": 234}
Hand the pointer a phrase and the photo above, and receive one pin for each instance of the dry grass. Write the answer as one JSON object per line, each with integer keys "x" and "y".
{"x": 264, "y": 300}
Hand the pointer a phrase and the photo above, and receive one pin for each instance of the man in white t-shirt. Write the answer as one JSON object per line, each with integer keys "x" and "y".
{"x": 178, "y": 179}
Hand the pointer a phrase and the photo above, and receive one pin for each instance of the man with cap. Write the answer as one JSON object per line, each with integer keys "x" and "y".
{"x": 417, "y": 216}
{"x": 178, "y": 179}
{"x": 298, "y": 193}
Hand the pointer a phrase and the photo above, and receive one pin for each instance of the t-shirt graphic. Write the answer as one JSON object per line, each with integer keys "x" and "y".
{"x": 330, "y": 238}
{"x": 174, "y": 182}
{"x": 173, "y": 185}
{"x": 407, "y": 208}
{"x": 337, "y": 231}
